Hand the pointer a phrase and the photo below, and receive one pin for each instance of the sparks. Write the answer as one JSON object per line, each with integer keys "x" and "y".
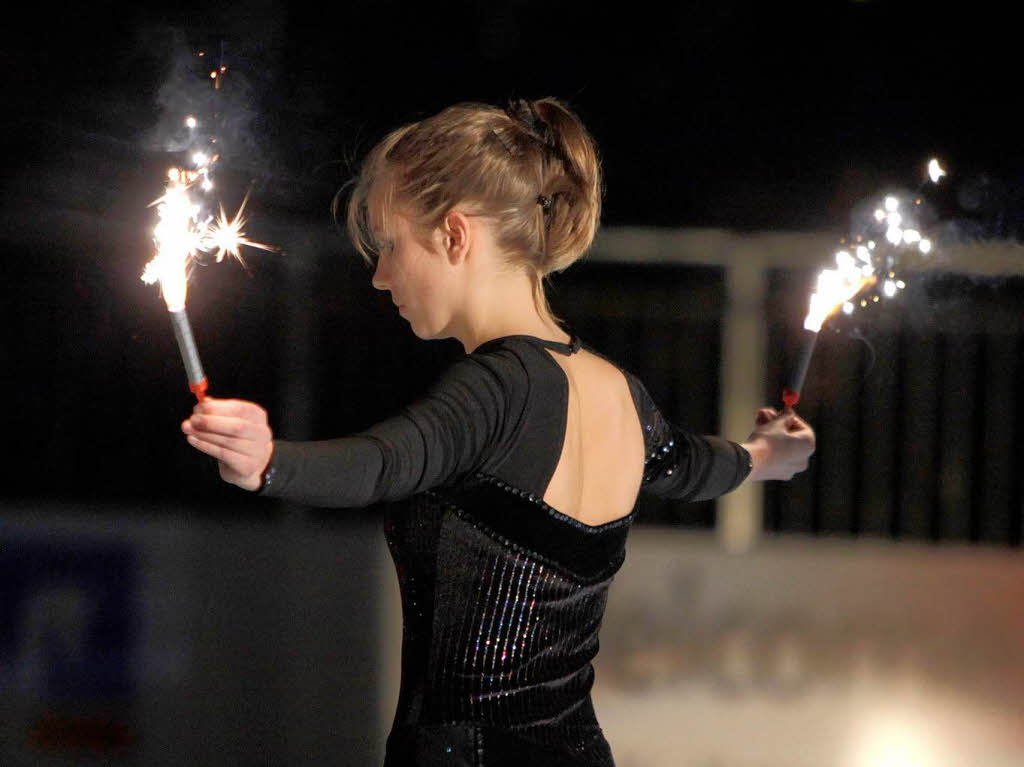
{"x": 858, "y": 270}
{"x": 183, "y": 233}
{"x": 935, "y": 171}
{"x": 837, "y": 287}
{"x": 228, "y": 238}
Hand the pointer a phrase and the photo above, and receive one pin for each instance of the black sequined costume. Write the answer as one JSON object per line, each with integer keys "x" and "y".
{"x": 502, "y": 595}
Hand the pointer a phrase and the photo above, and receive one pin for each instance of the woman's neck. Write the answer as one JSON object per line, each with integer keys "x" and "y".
{"x": 509, "y": 308}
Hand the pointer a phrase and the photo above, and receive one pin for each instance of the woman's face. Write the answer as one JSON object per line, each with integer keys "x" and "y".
{"x": 417, "y": 275}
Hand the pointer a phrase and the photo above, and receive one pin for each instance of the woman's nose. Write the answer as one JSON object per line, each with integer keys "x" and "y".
{"x": 381, "y": 280}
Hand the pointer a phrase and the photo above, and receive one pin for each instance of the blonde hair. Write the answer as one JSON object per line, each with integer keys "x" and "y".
{"x": 532, "y": 167}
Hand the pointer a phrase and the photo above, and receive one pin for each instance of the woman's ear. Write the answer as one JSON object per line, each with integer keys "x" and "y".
{"x": 456, "y": 233}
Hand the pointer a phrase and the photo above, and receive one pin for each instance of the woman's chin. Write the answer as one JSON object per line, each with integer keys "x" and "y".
{"x": 419, "y": 331}
{"x": 428, "y": 334}
{"x": 426, "y": 331}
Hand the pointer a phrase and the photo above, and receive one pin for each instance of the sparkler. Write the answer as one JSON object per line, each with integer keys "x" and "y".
{"x": 182, "y": 235}
{"x": 856, "y": 272}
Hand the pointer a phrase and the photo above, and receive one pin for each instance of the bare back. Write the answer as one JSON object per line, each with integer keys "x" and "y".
{"x": 601, "y": 465}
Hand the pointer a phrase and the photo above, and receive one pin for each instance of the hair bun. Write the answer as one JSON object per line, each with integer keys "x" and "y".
{"x": 524, "y": 113}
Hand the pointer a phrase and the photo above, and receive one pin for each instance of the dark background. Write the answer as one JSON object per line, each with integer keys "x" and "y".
{"x": 745, "y": 116}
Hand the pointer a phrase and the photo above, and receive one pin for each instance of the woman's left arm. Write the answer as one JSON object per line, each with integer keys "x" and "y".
{"x": 780, "y": 445}
{"x": 686, "y": 466}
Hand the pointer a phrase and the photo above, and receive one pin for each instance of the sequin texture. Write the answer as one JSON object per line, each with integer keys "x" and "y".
{"x": 500, "y": 628}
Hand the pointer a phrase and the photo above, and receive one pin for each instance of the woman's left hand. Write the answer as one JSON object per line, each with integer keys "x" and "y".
{"x": 780, "y": 444}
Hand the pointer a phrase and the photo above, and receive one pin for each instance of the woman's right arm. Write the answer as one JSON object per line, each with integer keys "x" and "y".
{"x": 443, "y": 435}
{"x": 343, "y": 472}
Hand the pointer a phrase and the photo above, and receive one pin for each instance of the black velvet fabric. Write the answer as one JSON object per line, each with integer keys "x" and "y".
{"x": 466, "y": 745}
{"x": 498, "y": 632}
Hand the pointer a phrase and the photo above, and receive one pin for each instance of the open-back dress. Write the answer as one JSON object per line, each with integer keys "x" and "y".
{"x": 502, "y": 595}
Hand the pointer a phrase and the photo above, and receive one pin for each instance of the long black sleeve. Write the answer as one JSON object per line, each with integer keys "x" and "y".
{"x": 683, "y": 465}
{"x": 444, "y": 435}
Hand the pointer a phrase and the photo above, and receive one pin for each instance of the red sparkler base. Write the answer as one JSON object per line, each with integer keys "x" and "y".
{"x": 790, "y": 398}
{"x": 199, "y": 389}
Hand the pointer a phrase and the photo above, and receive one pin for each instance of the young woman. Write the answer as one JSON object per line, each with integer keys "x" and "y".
{"x": 520, "y": 467}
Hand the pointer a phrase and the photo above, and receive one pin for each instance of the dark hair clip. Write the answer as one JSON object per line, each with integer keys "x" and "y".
{"x": 522, "y": 111}
{"x": 545, "y": 203}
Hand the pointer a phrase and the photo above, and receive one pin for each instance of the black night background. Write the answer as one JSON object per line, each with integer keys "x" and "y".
{"x": 748, "y": 117}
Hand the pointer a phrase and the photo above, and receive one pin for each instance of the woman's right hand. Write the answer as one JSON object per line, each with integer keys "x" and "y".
{"x": 237, "y": 434}
{"x": 780, "y": 444}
